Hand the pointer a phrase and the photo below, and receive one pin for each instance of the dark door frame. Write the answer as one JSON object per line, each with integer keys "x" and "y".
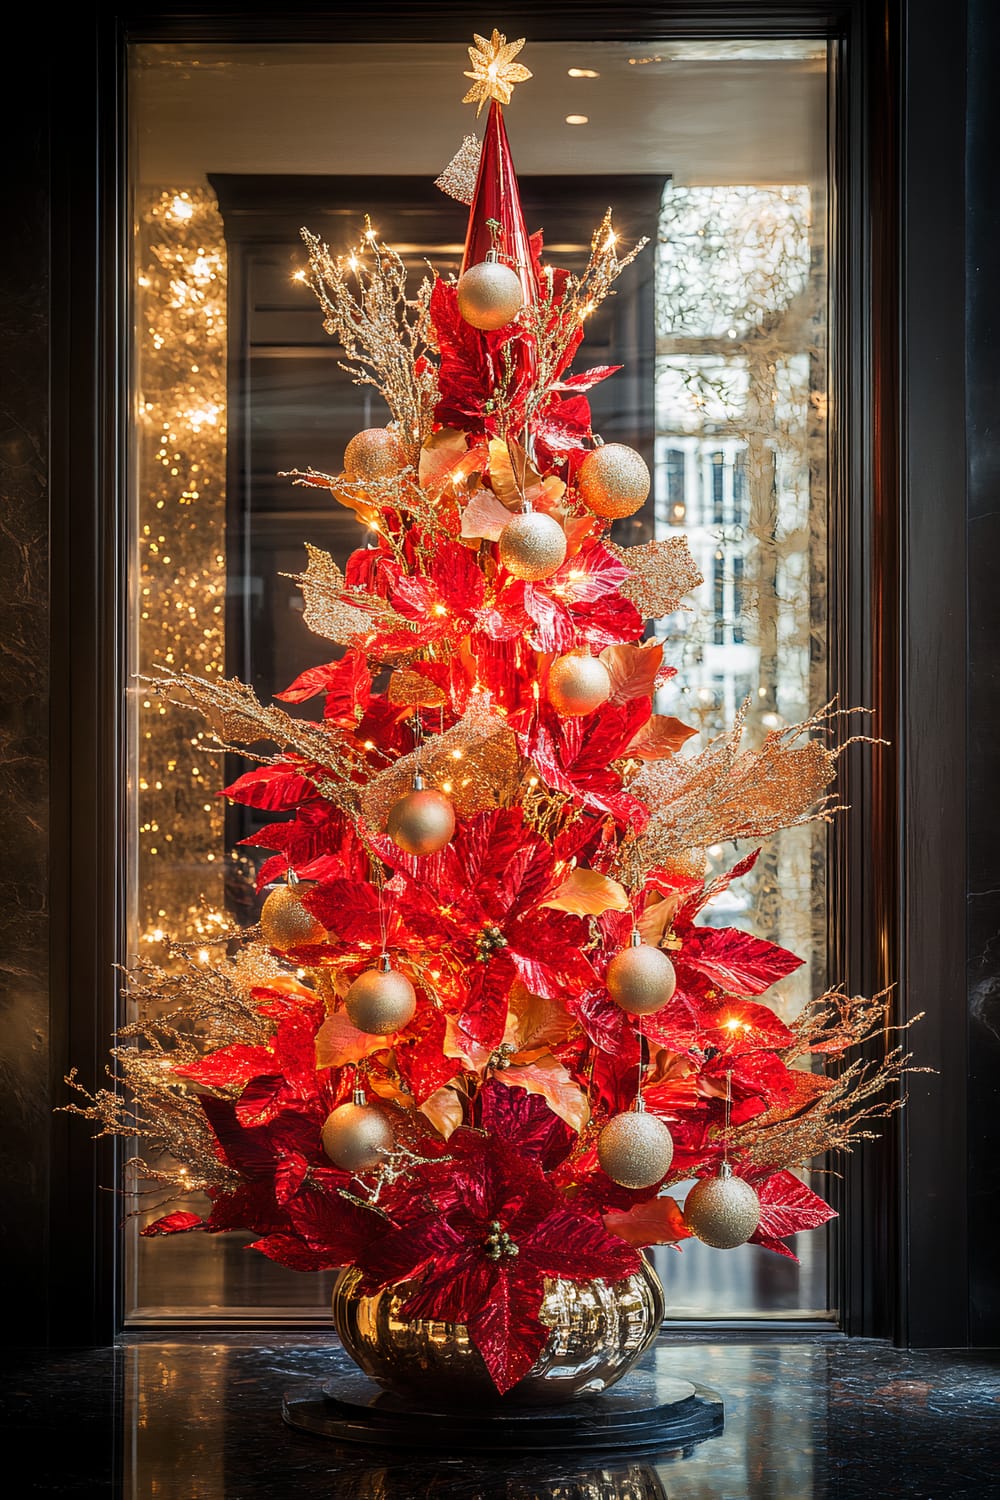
{"x": 897, "y": 618}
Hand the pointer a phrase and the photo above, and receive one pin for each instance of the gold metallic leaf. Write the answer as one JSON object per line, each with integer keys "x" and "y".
{"x": 444, "y": 1110}
{"x": 633, "y": 670}
{"x": 587, "y": 893}
{"x": 660, "y": 736}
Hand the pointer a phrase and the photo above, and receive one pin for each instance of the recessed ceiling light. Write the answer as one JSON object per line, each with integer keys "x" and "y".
{"x": 577, "y": 119}
{"x": 583, "y": 73}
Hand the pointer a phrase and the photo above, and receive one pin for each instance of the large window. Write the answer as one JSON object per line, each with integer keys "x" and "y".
{"x": 717, "y": 152}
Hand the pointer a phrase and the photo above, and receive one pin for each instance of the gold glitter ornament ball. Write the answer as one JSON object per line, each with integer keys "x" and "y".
{"x": 578, "y": 685}
{"x": 286, "y": 923}
{"x": 722, "y": 1211}
{"x": 373, "y": 454}
{"x": 489, "y": 295}
{"x": 422, "y": 822}
{"x": 613, "y": 481}
{"x": 532, "y": 546}
{"x": 381, "y": 1001}
{"x": 355, "y": 1137}
{"x": 641, "y": 979}
{"x": 635, "y": 1150}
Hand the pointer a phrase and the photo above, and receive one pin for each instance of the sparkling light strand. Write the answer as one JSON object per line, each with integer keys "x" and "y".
{"x": 181, "y": 467}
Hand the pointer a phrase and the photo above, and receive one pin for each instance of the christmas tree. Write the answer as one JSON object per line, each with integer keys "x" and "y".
{"x": 481, "y": 1030}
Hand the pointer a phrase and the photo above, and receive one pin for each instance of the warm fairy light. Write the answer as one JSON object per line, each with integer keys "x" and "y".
{"x": 577, "y": 119}
{"x": 299, "y": 275}
{"x": 439, "y": 609}
{"x": 582, "y": 73}
{"x": 181, "y": 431}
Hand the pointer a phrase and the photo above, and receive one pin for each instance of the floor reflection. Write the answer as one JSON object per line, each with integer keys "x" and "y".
{"x": 198, "y": 1418}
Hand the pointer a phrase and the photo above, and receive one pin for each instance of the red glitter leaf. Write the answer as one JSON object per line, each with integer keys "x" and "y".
{"x": 787, "y": 1206}
{"x": 507, "y": 1330}
{"x": 735, "y": 961}
{"x": 180, "y": 1222}
{"x": 275, "y": 788}
{"x": 658, "y": 1222}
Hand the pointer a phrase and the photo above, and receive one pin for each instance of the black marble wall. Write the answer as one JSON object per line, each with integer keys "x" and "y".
{"x": 983, "y": 499}
{"x": 24, "y": 707}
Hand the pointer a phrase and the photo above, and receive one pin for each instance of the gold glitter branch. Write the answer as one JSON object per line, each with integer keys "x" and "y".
{"x": 384, "y": 334}
{"x": 841, "y": 1110}
{"x": 728, "y": 793}
{"x": 554, "y": 324}
{"x": 191, "y": 1008}
{"x": 237, "y": 719}
{"x": 339, "y": 614}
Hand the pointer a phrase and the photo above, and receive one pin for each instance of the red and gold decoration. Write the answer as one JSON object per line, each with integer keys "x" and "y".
{"x": 635, "y": 1149}
{"x": 641, "y": 978}
{"x": 373, "y": 455}
{"x": 722, "y": 1210}
{"x": 578, "y": 684}
{"x": 381, "y": 1001}
{"x": 422, "y": 821}
{"x": 357, "y": 1137}
{"x": 613, "y": 481}
{"x": 489, "y": 294}
{"x": 532, "y": 546}
{"x": 465, "y": 1125}
{"x": 284, "y": 921}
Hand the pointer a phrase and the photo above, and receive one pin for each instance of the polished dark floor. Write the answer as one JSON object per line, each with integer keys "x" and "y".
{"x": 197, "y": 1417}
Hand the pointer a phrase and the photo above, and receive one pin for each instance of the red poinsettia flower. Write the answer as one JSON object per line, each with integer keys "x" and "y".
{"x": 482, "y": 1234}
{"x": 476, "y": 908}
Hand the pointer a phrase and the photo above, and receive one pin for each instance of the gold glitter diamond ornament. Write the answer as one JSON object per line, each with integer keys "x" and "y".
{"x": 285, "y": 922}
{"x": 722, "y": 1211}
{"x": 578, "y": 684}
{"x": 381, "y": 1000}
{"x": 422, "y": 822}
{"x": 640, "y": 978}
{"x": 356, "y": 1136}
{"x": 635, "y": 1149}
{"x": 373, "y": 454}
{"x": 613, "y": 481}
{"x": 489, "y": 295}
{"x": 532, "y": 546}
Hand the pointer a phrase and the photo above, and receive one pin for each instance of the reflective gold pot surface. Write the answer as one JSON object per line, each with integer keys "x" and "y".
{"x": 599, "y": 1330}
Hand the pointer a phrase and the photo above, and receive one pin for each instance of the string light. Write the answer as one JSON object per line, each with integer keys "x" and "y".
{"x": 181, "y": 433}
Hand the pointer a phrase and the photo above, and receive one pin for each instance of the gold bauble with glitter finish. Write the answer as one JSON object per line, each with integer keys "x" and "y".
{"x": 372, "y": 455}
{"x": 613, "y": 481}
{"x": 599, "y": 1330}
{"x": 722, "y": 1211}
{"x": 635, "y": 1149}
{"x": 532, "y": 546}
{"x": 381, "y": 1001}
{"x": 286, "y": 923}
{"x": 356, "y": 1136}
{"x": 641, "y": 979}
{"x": 489, "y": 295}
{"x": 421, "y": 822}
{"x": 578, "y": 685}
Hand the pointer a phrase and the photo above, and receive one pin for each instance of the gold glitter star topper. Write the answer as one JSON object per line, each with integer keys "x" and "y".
{"x": 494, "y": 70}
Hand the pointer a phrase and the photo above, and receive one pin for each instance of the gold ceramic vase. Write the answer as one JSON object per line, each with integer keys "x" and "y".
{"x": 599, "y": 1330}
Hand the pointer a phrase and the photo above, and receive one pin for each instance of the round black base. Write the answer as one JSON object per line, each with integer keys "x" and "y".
{"x": 645, "y": 1412}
